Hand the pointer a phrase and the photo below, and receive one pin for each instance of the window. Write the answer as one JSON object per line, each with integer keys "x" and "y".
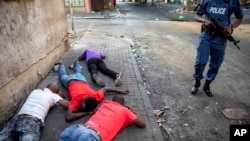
{"x": 75, "y": 2}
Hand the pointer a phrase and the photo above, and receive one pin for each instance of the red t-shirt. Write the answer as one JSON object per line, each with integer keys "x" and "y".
{"x": 110, "y": 118}
{"x": 78, "y": 90}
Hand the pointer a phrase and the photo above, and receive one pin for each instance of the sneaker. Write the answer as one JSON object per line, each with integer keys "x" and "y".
{"x": 118, "y": 80}
{"x": 98, "y": 80}
{"x": 72, "y": 66}
{"x": 56, "y": 67}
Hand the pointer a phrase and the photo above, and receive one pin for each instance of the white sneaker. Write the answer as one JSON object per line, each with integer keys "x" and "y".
{"x": 56, "y": 67}
{"x": 72, "y": 66}
{"x": 118, "y": 80}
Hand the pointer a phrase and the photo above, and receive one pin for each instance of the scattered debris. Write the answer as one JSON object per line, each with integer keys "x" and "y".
{"x": 158, "y": 112}
{"x": 161, "y": 120}
{"x": 166, "y": 107}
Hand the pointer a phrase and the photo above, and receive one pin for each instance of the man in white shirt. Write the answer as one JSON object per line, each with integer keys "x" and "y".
{"x": 25, "y": 126}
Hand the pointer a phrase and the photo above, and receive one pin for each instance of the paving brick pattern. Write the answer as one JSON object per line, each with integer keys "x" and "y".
{"x": 120, "y": 59}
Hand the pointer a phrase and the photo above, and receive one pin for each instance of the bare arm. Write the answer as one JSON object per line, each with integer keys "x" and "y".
{"x": 229, "y": 30}
{"x": 200, "y": 19}
{"x": 237, "y": 23}
{"x": 63, "y": 103}
{"x": 70, "y": 115}
{"x": 138, "y": 122}
{"x": 110, "y": 89}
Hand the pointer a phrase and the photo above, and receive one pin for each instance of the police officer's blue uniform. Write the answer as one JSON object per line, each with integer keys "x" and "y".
{"x": 214, "y": 46}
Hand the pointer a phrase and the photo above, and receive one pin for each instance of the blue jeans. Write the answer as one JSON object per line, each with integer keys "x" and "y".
{"x": 65, "y": 78}
{"x": 21, "y": 128}
{"x": 79, "y": 132}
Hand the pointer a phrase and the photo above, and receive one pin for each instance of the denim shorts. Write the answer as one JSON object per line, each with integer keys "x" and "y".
{"x": 78, "y": 132}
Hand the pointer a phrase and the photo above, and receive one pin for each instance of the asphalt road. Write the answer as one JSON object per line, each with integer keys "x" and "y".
{"x": 165, "y": 51}
{"x": 164, "y": 44}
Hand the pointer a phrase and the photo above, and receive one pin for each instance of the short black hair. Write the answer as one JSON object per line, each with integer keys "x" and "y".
{"x": 91, "y": 104}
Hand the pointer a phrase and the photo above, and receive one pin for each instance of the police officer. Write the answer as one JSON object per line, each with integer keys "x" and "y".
{"x": 211, "y": 45}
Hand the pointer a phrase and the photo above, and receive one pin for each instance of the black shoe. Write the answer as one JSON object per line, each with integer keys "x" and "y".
{"x": 196, "y": 87}
{"x": 207, "y": 91}
{"x": 194, "y": 90}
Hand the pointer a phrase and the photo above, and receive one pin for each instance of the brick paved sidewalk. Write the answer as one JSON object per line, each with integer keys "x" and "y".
{"x": 121, "y": 59}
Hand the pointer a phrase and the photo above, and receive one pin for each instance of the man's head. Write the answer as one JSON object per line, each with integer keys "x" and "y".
{"x": 88, "y": 104}
{"x": 53, "y": 87}
{"x": 118, "y": 99}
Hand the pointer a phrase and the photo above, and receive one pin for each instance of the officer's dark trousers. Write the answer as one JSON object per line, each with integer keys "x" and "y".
{"x": 212, "y": 50}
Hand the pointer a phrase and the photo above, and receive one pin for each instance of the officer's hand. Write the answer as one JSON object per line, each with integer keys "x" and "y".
{"x": 209, "y": 24}
{"x": 228, "y": 31}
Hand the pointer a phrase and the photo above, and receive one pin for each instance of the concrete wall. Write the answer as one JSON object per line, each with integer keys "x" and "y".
{"x": 32, "y": 37}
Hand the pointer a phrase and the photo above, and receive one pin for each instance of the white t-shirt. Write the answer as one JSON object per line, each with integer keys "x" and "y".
{"x": 39, "y": 102}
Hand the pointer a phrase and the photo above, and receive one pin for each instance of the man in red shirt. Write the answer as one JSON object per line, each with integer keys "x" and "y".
{"x": 109, "y": 119}
{"x": 82, "y": 97}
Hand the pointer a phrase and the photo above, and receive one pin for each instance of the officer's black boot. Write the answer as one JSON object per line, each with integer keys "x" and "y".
{"x": 206, "y": 88}
{"x": 196, "y": 87}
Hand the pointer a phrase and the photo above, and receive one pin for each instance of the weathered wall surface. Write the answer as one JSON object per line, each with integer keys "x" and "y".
{"x": 32, "y": 38}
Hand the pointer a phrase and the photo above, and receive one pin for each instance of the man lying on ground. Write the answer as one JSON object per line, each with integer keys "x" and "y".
{"x": 104, "y": 125}
{"x": 25, "y": 126}
{"x": 94, "y": 62}
{"x": 82, "y": 97}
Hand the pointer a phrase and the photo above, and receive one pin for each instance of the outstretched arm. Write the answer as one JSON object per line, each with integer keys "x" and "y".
{"x": 120, "y": 91}
{"x": 70, "y": 115}
{"x": 63, "y": 103}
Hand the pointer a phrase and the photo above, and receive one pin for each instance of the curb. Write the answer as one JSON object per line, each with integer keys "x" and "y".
{"x": 157, "y": 135}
